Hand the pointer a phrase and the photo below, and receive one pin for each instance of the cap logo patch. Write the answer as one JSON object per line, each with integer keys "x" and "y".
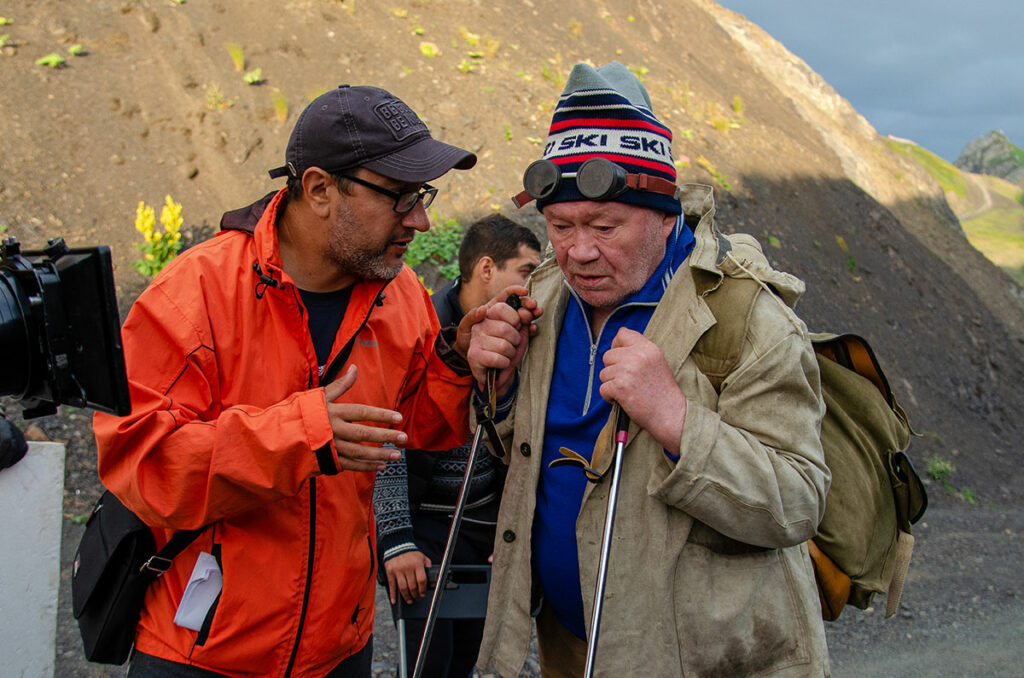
{"x": 399, "y": 118}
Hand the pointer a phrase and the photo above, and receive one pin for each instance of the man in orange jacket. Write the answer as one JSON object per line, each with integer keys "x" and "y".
{"x": 241, "y": 424}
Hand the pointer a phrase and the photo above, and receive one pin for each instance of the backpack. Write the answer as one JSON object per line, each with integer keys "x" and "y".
{"x": 863, "y": 544}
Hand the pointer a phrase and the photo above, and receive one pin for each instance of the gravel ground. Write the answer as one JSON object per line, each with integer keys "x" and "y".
{"x": 961, "y": 611}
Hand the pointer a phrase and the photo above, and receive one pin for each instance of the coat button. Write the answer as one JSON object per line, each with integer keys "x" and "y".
{"x": 525, "y": 449}
{"x": 509, "y": 536}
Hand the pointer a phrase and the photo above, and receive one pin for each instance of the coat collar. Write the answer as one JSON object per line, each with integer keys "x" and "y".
{"x": 265, "y": 234}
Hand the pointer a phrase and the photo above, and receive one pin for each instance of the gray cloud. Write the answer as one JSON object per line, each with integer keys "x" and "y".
{"x": 939, "y": 72}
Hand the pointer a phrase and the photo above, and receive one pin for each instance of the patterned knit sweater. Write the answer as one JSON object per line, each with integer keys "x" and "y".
{"x": 391, "y": 496}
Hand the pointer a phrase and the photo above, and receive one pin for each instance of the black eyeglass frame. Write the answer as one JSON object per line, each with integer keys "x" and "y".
{"x": 426, "y": 193}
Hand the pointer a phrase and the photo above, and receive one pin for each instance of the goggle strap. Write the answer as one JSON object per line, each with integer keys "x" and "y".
{"x": 653, "y": 184}
{"x": 637, "y": 182}
{"x": 521, "y": 198}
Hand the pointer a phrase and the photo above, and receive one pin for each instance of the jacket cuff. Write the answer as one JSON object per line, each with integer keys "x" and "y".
{"x": 680, "y": 477}
{"x": 395, "y": 544}
{"x": 502, "y": 406}
{"x": 445, "y": 349}
{"x": 327, "y": 460}
{"x": 320, "y": 436}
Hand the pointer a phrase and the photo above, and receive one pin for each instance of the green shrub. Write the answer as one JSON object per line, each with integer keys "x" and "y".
{"x": 438, "y": 246}
{"x": 53, "y": 60}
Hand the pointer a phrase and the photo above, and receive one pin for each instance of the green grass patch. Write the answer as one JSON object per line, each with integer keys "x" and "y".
{"x": 999, "y": 235}
{"x": 51, "y": 60}
{"x": 237, "y": 54}
{"x": 280, "y": 103}
{"x": 1008, "y": 190}
{"x": 947, "y": 176}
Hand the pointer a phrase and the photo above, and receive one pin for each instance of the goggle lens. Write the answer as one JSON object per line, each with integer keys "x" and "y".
{"x": 601, "y": 179}
{"x": 541, "y": 179}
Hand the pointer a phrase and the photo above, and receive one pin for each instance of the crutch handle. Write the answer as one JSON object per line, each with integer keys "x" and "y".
{"x": 621, "y": 426}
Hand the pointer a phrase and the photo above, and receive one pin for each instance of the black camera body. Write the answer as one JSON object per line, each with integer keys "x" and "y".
{"x": 60, "y": 330}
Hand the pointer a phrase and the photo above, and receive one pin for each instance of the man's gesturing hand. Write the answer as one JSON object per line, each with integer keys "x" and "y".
{"x": 407, "y": 573}
{"x": 636, "y": 376}
{"x": 499, "y": 336}
{"x": 350, "y": 438}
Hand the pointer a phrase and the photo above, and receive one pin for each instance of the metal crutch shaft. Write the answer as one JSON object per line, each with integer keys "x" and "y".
{"x": 621, "y": 433}
{"x": 442, "y": 572}
{"x": 460, "y": 506}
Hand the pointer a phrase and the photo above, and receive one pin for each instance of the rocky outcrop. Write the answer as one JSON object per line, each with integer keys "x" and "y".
{"x": 995, "y": 155}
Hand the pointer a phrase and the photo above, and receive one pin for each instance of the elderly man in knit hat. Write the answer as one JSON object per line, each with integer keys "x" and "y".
{"x": 721, "y": 484}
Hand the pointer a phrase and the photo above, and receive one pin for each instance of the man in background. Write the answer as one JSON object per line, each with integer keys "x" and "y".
{"x": 414, "y": 497}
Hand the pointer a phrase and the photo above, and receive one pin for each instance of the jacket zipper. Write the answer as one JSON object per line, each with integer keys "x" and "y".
{"x": 311, "y": 551}
{"x": 595, "y": 342}
{"x": 330, "y": 372}
{"x": 371, "y": 581}
{"x": 342, "y": 357}
{"x": 309, "y": 575}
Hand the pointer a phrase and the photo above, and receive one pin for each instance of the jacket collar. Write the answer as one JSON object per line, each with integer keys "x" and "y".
{"x": 446, "y": 303}
{"x": 268, "y": 249}
{"x": 738, "y": 256}
{"x": 260, "y": 220}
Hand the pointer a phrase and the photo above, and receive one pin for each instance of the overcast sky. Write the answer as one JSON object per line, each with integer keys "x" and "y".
{"x": 938, "y": 72}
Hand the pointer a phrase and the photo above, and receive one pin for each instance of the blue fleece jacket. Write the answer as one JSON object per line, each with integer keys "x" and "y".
{"x": 576, "y": 414}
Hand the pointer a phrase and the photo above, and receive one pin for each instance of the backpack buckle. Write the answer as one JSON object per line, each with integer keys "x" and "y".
{"x": 157, "y": 565}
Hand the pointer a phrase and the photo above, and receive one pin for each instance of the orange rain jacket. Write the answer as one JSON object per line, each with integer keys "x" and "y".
{"x": 226, "y": 430}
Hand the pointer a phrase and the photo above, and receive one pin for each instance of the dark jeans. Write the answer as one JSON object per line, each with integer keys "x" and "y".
{"x": 454, "y": 643}
{"x": 147, "y": 666}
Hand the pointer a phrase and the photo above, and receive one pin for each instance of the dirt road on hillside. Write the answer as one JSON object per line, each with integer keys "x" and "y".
{"x": 986, "y": 198}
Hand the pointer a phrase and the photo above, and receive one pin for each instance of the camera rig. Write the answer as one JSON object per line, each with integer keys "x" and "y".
{"x": 60, "y": 329}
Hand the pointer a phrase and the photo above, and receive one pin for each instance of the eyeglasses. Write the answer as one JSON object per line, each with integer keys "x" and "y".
{"x": 404, "y": 202}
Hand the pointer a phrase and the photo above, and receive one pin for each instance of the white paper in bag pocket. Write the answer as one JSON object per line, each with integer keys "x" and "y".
{"x": 203, "y": 588}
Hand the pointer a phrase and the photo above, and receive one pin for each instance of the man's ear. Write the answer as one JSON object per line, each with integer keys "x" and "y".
{"x": 668, "y": 222}
{"x": 484, "y": 269}
{"x": 316, "y": 185}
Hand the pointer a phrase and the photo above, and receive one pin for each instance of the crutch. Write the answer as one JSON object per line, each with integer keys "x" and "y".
{"x": 621, "y": 434}
{"x": 484, "y": 422}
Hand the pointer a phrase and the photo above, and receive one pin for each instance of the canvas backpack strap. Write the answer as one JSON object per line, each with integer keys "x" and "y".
{"x": 901, "y": 563}
{"x": 718, "y": 351}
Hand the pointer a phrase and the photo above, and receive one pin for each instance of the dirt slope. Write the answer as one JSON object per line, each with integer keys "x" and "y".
{"x": 137, "y": 117}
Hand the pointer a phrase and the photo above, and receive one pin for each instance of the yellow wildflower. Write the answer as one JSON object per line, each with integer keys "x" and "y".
{"x": 170, "y": 215}
{"x": 144, "y": 218}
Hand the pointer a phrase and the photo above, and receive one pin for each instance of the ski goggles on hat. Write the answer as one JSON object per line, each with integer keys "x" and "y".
{"x": 597, "y": 179}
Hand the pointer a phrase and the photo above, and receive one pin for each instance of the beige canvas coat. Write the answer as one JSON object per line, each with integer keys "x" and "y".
{"x": 708, "y": 574}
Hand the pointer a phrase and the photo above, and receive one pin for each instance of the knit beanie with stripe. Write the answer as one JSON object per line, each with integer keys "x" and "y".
{"x": 605, "y": 112}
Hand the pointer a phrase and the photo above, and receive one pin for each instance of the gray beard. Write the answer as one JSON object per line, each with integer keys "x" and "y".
{"x": 368, "y": 265}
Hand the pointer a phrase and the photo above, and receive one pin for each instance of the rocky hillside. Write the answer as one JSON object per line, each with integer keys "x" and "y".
{"x": 155, "y": 103}
{"x": 995, "y": 155}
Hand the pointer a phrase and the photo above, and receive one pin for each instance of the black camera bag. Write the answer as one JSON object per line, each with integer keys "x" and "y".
{"x": 115, "y": 563}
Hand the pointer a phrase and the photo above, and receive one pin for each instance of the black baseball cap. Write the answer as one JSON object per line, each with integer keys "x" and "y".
{"x": 369, "y": 127}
